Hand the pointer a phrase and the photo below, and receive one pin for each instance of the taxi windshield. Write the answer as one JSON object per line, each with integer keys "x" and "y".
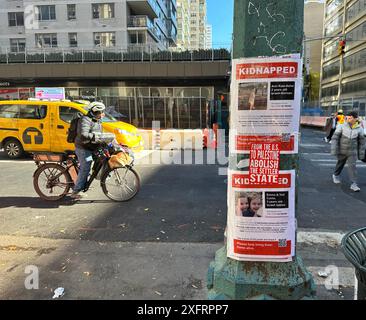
{"x": 107, "y": 117}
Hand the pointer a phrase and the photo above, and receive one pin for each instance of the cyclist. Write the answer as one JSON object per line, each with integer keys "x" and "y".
{"x": 89, "y": 132}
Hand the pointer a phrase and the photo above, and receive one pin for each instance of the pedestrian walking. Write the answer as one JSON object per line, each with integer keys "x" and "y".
{"x": 348, "y": 145}
{"x": 331, "y": 127}
{"x": 340, "y": 116}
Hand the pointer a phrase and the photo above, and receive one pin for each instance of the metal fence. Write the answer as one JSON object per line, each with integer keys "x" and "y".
{"x": 172, "y": 113}
{"x": 133, "y": 54}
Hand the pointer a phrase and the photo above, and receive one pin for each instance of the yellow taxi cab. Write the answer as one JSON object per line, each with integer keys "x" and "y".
{"x": 38, "y": 125}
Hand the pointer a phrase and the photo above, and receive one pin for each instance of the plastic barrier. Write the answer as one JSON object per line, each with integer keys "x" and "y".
{"x": 148, "y": 137}
{"x": 174, "y": 139}
{"x": 171, "y": 139}
{"x": 315, "y": 121}
{"x": 210, "y": 137}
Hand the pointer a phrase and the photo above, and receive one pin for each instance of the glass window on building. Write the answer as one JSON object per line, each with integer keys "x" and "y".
{"x": 103, "y": 10}
{"x": 25, "y": 93}
{"x": 355, "y": 9}
{"x": 71, "y": 93}
{"x": 362, "y": 108}
{"x": 46, "y": 40}
{"x": 334, "y": 25}
{"x": 142, "y": 92}
{"x": 15, "y": 19}
{"x": 105, "y": 39}
{"x": 330, "y": 91}
{"x": 160, "y": 105}
{"x": 355, "y": 61}
{"x": 17, "y": 45}
{"x": 186, "y": 92}
{"x": 45, "y": 13}
{"x": 137, "y": 37}
{"x": 122, "y": 108}
{"x": 130, "y": 92}
{"x": 354, "y": 86}
{"x": 207, "y": 93}
{"x": 148, "y": 112}
{"x": 161, "y": 92}
{"x": 331, "y": 70}
{"x": 73, "y": 40}
{"x": 357, "y": 34}
{"x": 88, "y": 93}
{"x": 183, "y": 108}
{"x": 332, "y": 7}
{"x": 71, "y": 11}
{"x": 111, "y": 92}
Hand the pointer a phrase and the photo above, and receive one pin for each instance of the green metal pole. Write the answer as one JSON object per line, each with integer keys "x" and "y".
{"x": 263, "y": 28}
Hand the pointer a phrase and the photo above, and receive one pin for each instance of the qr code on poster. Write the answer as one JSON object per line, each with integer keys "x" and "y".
{"x": 282, "y": 243}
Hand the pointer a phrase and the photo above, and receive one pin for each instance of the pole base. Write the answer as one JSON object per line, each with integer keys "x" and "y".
{"x": 229, "y": 279}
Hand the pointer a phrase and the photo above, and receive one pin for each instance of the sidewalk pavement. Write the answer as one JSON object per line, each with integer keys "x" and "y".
{"x": 143, "y": 270}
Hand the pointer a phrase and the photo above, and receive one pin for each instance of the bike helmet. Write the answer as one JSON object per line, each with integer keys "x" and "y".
{"x": 97, "y": 107}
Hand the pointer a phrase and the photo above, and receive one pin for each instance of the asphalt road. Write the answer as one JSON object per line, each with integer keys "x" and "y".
{"x": 159, "y": 245}
{"x": 177, "y": 203}
{"x": 323, "y": 204}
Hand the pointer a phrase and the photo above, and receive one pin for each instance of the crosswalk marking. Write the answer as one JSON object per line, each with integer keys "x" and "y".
{"x": 311, "y": 145}
{"x": 359, "y": 166}
{"x": 324, "y": 160}
{"x": 316, "y": 153}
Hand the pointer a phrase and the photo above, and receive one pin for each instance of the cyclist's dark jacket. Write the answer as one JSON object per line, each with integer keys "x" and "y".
{"x": 88, "y": 132}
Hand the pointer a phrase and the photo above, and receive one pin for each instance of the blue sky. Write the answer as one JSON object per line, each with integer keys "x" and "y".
{"x": 220, "y": 16}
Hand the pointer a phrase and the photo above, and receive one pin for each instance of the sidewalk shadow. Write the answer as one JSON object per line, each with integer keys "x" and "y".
{"x": 26, "y": 156}
{"x": 33, "y": 202}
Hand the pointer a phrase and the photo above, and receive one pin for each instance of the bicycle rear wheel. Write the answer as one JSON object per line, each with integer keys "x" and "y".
{"x": 51, "y": 181}
{"x": 120, "y": 184}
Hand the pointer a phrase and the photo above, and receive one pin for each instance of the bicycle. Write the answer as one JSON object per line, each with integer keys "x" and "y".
{"x": 56, "y": 173}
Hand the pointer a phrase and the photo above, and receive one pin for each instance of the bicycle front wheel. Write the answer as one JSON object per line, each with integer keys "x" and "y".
{"x": 51, "y": 181}
{"x": 120, "y": 184}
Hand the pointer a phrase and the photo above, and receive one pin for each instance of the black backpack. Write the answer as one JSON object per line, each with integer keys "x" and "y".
{"x": 73, "y": 130}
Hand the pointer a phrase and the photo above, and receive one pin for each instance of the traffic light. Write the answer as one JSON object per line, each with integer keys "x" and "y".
{"x": 341, "y": 47}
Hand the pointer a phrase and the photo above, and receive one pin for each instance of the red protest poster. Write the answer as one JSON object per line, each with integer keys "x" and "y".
{"x": 264, "y": 160}
{"x": 244, "y": 142}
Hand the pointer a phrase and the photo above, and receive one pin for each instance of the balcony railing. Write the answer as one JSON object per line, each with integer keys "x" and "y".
{"x": 134, "y": 53}
{"x": 143, "y": 22}
{"x": 139, "y": 21}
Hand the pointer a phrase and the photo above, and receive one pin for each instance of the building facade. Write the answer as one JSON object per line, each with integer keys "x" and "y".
{"x": 313, "y": 29}
{"x": 192, "y": 24}
{"x": 343, "y": 82}
{"x": 208, "y": 40}
{"x": 123, "y": 24}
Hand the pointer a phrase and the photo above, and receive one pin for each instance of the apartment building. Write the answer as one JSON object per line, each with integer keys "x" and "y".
{"x": 343, "y": 82}
{"x": 208, "y": 39}
{"x": 183, "y": 24}
{"x": 313, "y": 29}
{"x": 192, "y": 24}
{"x": 123, "y": 24}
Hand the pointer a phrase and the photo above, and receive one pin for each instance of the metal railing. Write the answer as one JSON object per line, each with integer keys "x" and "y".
{"x": 139, "y": 21}
{"x": 134, "y": 53}
{"x": 143, "y": 22}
